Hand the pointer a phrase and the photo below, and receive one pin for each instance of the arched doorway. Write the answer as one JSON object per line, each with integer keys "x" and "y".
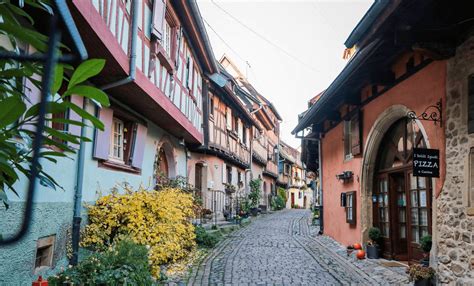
{"x": 165, "y": 163}
{"x": 401, "y": 202}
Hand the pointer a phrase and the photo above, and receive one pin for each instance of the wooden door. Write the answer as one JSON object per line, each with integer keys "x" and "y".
{"x": 292, "y": 199}
{"x": 398, "y": 222}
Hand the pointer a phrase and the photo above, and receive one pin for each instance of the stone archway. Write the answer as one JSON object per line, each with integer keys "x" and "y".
{"x": 385, "y": 120}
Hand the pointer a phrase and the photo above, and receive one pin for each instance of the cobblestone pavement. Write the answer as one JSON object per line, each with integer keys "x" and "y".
{"x": 283, "y": 249}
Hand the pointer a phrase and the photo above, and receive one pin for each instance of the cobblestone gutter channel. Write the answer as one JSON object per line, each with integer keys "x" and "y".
{"x": 283, "y": 249}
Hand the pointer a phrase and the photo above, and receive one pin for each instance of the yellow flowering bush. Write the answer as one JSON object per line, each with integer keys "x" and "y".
{"x": 158, "y": 219}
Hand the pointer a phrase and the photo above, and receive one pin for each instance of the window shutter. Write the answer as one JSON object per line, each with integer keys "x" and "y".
{"x": 102, "y": 138}
{"x": 224, "y": 173}
{"x": 159, "y": 10}
{"x": 470, "y": 111}
{"x": 356, "y": 134}
{"x": 139, "y": 145}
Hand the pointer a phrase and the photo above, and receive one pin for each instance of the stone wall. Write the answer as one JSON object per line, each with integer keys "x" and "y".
{"x": 455, "y": 243}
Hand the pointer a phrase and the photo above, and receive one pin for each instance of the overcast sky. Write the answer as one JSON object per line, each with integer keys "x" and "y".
{"x": 312, "y": 32}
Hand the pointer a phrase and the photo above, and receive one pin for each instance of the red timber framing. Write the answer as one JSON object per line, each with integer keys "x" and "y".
{"x": 168, "y": 84}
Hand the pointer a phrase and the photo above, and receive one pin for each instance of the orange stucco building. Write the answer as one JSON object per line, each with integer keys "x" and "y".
{"x": 408, "y": 85}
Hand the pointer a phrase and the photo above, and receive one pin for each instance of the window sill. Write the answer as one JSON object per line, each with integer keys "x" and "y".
{"x": 165, "y": 60}
{"x": 111, "y": 165}
{"x": 348, "y": 158}
{"x": 233, "y": 134}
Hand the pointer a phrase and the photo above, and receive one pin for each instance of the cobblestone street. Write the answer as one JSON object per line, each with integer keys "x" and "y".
{"x": 283, "y": 249}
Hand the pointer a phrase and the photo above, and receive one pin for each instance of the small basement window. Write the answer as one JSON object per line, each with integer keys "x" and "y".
{"x": 44, "y": 252}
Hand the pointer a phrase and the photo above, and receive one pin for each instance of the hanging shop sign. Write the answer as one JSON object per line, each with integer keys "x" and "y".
{"x": 426, "y": 162}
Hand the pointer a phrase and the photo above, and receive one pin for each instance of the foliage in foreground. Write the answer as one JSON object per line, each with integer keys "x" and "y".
{"x": 19, "y": 114}
{"x": 160, "y": 219}
{"x": 124, "y": 263}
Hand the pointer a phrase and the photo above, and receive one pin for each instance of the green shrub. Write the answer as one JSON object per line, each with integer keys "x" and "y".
{"x": 255, "y": 192}
{"x": 278, "y": 203}
{"x": 375, "y": 234}
{"x": 205, "y": 238}
{"x": 124, "y": 263}
{"x": 426, "y": 243}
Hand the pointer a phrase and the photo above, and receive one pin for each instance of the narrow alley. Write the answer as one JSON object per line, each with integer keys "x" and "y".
{"x": 283, "y": 248}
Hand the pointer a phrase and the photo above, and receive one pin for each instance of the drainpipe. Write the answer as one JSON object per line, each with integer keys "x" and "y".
{"x": 76, "y": 224}
{"x": 76, "y": 220}
{"x": 133, "y": 48}
{"x": 320, "y": 175}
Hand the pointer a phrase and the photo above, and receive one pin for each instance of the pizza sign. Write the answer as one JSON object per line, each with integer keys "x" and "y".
{"x": 426, "y": 162}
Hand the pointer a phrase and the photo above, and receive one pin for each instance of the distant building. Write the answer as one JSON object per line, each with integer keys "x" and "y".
{"x": 292, "y": 177}
{"x": 265, "y": 141}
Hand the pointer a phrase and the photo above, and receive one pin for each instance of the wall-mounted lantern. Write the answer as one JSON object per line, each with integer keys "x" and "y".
{"x": 345, "y": 176}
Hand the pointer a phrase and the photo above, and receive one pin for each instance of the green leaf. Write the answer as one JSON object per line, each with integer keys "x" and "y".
{"x": 67, "y": 121}
{"x": 86, "y": 115}
{"x": 4, "y": 199}
{"x": 51, "y": 107}
{"x": 86, "y": 70}
{"x": 21, "y": 12}
{"x": 46, "y": 182}
{"x": 89, "y": 92}
{"x": 61, "y": 135}
{"x": 58, "y": 78}
{"x": 11, "y": 109}
{"x": 15, "y": 72}
{"x": 37, "y": 40}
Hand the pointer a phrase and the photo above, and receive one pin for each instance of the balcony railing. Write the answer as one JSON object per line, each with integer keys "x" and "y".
{"x": 177, "y": 75}
{"x": 228, "y": 143}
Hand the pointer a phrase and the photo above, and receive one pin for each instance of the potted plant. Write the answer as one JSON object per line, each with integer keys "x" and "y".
{"x": 373, "y": 249}
{"x": 420, "y": 275}
{"x": 207, "y": 213}
{"x": 425, "y": 244}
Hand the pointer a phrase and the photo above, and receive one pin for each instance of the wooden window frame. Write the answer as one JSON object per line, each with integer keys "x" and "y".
{"x": 351, "y": 208}
{"x": 44, "y": 244}
{"x": 347, "y": 138}
{"x": 121, "y": 145}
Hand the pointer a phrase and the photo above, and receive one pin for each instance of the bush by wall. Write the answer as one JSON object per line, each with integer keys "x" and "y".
{"x": 159, "y": 219}
{"x": 207, "y": 239}
{"x": 124, "y": 263}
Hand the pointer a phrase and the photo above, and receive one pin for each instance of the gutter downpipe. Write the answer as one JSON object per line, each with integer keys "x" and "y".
{"x": 320, "y": 189}
{"x": 76, "y": 222}
{"x": 133, "y": 48}
{"x": 247, "y": 188}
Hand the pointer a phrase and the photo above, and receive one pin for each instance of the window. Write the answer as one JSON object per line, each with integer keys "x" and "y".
{"x": 229, "y": 174}
{"x": 419, "y": 208}
{"x": 351, "y": 208}
{"x": 211, "y": 106}
{"x": 300, "y": 194}
{"x": 121, "y": 144}
{"x": 239, "y": 179}
{"x": 347, "y": 140}
{"x": 352, "y": 136}
{"x": 382, "y": 201}
{"x": 44, "y": 252}
{"x": 244, "y": 135}
{"x": 236, "y": 125}
{"x": 118, "y": 142}
{"x": 166, "y": 41}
